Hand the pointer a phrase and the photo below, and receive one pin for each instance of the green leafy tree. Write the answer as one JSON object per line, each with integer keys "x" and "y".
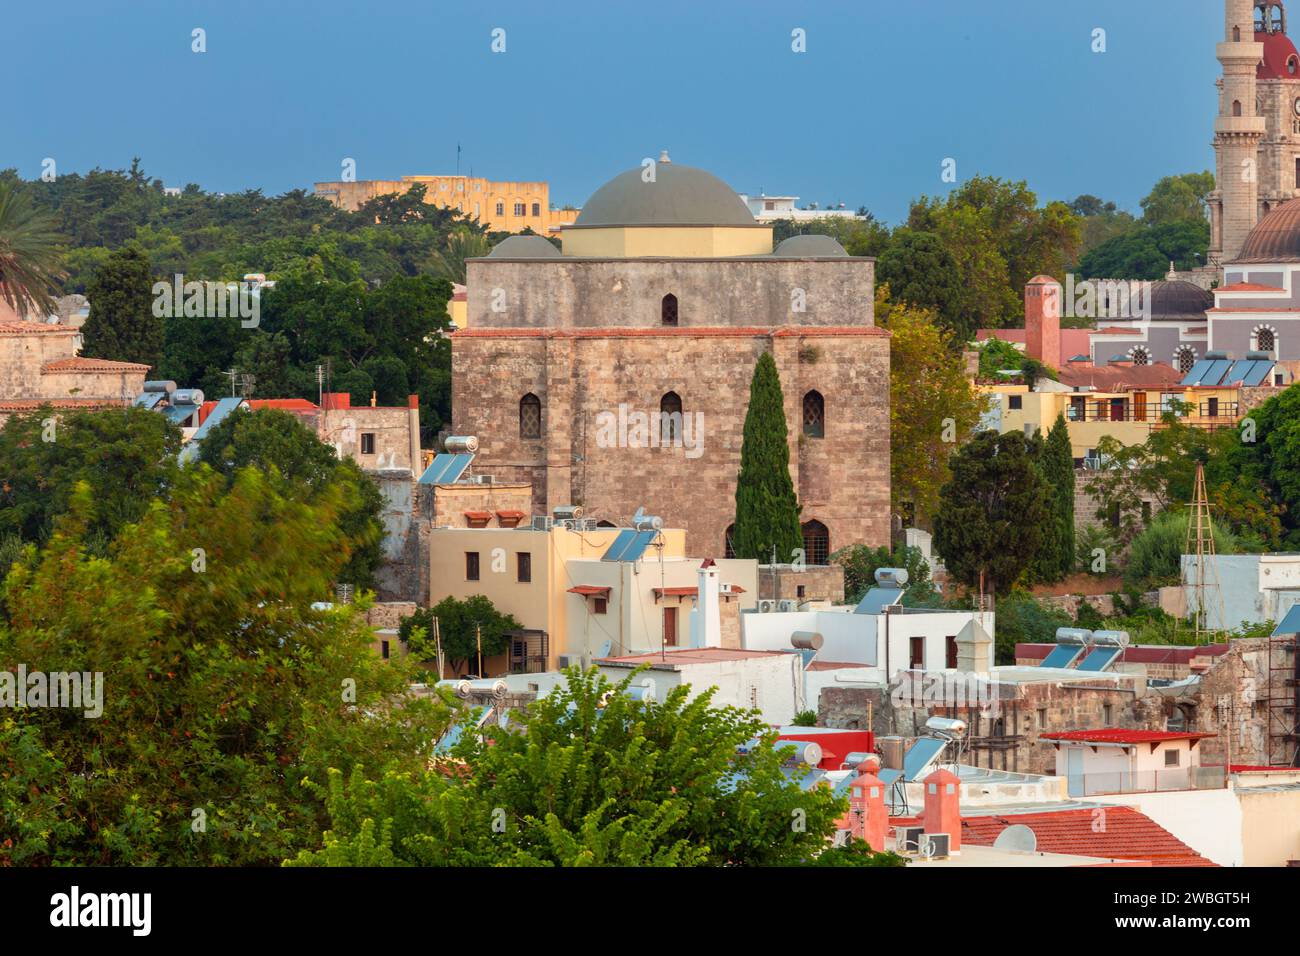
{"x": 922, "y": 273}
{"x": 127, "y": 457}
{"x": 121, "y": 325}
{"x": 303, "y": 466}
{"x": 29, "y": 253}
{"x": 860, "y": 564}
{"x": 1145, "y": 251}
{"x": 225, "y": 693}
{"x": 993, "y": 512}
{"x": 462, "y": 244}
{"x": 1179, "y": 199}
{"x": 932, "y": 406}
{"x": 1023, "y": 619}
{"x": 1155, "y": 556}
{"x": 591, "y": 777}
{"x": 767, "y": 514}
{"x": 461, "y": 626}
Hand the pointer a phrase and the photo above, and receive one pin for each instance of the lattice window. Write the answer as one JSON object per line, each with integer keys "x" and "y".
{"x": 530, "y": 416}
{"x": 1141, "y": 357}
{"x": 814, "y": 415}
{"x": 1264, "y": 340}
{"x": 1186, "y": 359}
{"x": 816, "y": 542}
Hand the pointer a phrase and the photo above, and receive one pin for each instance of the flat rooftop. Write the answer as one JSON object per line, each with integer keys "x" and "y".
{"x": 690, "y": 655}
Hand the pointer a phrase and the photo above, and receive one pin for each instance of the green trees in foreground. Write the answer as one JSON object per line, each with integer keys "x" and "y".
{"x": 593, "y": 777}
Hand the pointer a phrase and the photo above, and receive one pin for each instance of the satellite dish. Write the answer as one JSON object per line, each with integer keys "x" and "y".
{"x": 1017, "y": 838}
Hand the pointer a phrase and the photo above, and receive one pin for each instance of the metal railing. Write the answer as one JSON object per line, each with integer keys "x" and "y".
{"x": 1146, "y": 781}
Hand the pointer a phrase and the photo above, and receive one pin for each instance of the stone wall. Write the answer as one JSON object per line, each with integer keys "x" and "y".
{"x": 842, "y": 480}
{"x": 606, "y": 293}
{"x": 783, "y": 582}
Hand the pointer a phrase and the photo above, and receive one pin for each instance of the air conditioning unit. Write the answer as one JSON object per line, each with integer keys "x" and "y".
{"x": 766, "y": 607}
{"x": 935, "y": 846}
{"x": 787, "y": 605}
{"x": 542, "y": 522}
{"x": 563, "y": 661}
{"x": 570, "y": 524}
{"x": 483, "y": 479}
{"x": 567, "y": 512}
{"x": 908, "y": 839}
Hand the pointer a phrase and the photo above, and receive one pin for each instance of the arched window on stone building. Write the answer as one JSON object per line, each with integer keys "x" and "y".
{"x": 668, "y": 309}
{"x": 816, "y": 542}
{"x": 670, "y": 418}
{"x": 1265, "y": 340}
{"x": 729, "y": 542}
{"x": 530, "y": 416}
{"x": 1185, "y": 358}
{"x": 1140, "y": 356}
{"x": 1236, "y": 34}
{"x": 814, "y": 414}
{"x": 1236, "y": 107}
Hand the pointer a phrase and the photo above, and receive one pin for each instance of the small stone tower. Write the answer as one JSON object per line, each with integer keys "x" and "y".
{"x": 1238, "y": 130}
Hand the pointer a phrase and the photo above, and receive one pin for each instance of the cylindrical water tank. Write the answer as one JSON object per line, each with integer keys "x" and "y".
{"x": 946, "y": 725}
{"x": 807, "y": 640}
{"x": 891, "y": 577}
{"x": 461, "y": 444}
{"x": 1111, "y": 638}
{"x": 187, "y": 396}
{"x": 803, "y": 751}
{"x": 862, "y": 761}
{"x": 1073, "y": 635}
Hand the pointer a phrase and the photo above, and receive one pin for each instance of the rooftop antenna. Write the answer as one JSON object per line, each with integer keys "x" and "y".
{"x": 1200, "y": 534}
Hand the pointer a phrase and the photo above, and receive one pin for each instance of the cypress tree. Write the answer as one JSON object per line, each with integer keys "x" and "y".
{"x": 1058, "y": 469}
{"x": 767, "y": 514}
{"x": 121, "y": 325}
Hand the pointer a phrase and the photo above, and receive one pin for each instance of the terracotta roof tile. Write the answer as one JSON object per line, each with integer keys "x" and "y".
{"x": 92, "y": 365}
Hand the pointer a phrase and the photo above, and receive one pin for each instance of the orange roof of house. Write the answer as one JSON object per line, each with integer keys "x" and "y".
{"x": 29, "y": 327}
{"x": 1119, "y": 377}
{"x": 1247, "y": 287}
{"x": 588, "y": 589}
{"x": 92, "y": 365}
{"x": 1125, "y": 835}
{"x": 1116, "y": 735}
{"x": 296, "y": 405}
{"x": 478, "y": 515}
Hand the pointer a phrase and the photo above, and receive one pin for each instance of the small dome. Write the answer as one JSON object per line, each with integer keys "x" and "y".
{"x": 811, "y": 246}
{"x": 524, "y": 247}
{"x": 1275, "y": 238}
{"x": 1280, "y": 60}
{"x": 1179, "y": 300}
{"x": 678, "y": 196}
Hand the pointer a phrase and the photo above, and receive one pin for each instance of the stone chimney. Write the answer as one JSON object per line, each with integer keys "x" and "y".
{"x": 942, "y": 812}
{"x": 1043, "y": 320}
{"x": 974, "y": 649}
{"x": 708, "y": 613}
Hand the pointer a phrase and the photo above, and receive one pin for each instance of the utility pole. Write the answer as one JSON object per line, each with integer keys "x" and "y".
{"x": 437, "y": 643}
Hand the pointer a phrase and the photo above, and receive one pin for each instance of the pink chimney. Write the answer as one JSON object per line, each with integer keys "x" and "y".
{"x": 1043, "y": 320}
{"x": 942, "y": 812}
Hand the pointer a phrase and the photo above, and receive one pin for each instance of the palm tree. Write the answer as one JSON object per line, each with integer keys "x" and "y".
{"x": 462, "y": 244}
{"x": 29, "y": 254}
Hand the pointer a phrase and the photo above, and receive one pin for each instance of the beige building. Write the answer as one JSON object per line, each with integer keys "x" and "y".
{"x": 39, "y": 365}
{"x": 665, "y": 296}
{"x": 500, "y": 206}
{"x": 575, "y": 603}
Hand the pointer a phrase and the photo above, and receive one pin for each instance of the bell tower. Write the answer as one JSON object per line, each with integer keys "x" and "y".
{"x": 1238, "y": 130}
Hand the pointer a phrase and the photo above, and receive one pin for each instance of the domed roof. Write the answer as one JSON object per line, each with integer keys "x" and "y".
{"x": 678, "y": 196}
{"x": 811, "y": 246}
{"x": 524, "y": 247}
{"x": 1280, "y": 60}
{"x": 1275, "y": 238}
{"x": 1179, "y": 300}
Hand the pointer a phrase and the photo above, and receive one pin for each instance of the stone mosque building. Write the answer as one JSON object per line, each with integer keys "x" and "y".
{"x": 666, "y": 293}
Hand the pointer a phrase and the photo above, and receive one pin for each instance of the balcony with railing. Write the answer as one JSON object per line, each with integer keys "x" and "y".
{"x": 1147, "y": 781}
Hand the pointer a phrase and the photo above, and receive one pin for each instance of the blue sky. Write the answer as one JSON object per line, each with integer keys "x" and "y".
{"x": 885, "y": 92}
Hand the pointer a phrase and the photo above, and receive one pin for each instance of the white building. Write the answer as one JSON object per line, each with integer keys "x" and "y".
{"x": 767, "y": 208}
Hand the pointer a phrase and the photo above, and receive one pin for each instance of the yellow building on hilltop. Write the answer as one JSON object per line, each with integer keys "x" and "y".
{"x": 500, "y": 206}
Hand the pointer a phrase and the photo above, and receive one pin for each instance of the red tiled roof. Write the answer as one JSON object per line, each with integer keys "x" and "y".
{"x": 693, "y": 592}
{"x": 1247, "y": 287}
{"x": 92, "y": 365}
{"x": 298, "y": 406}
{"x": 1121, "y": 377}
{"x": 21, "y": 327}
{"x": 510, "y": 514}
{"x": 478, "y": 515}
{"x": 1117, "y": 330}
{"x": 1124, "y": 834}
{"x": 1116, "y": 735}
{"x": 29, "y": 404}
{"x": 586, "y": 590}
{"x": 1250, "y": 768}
